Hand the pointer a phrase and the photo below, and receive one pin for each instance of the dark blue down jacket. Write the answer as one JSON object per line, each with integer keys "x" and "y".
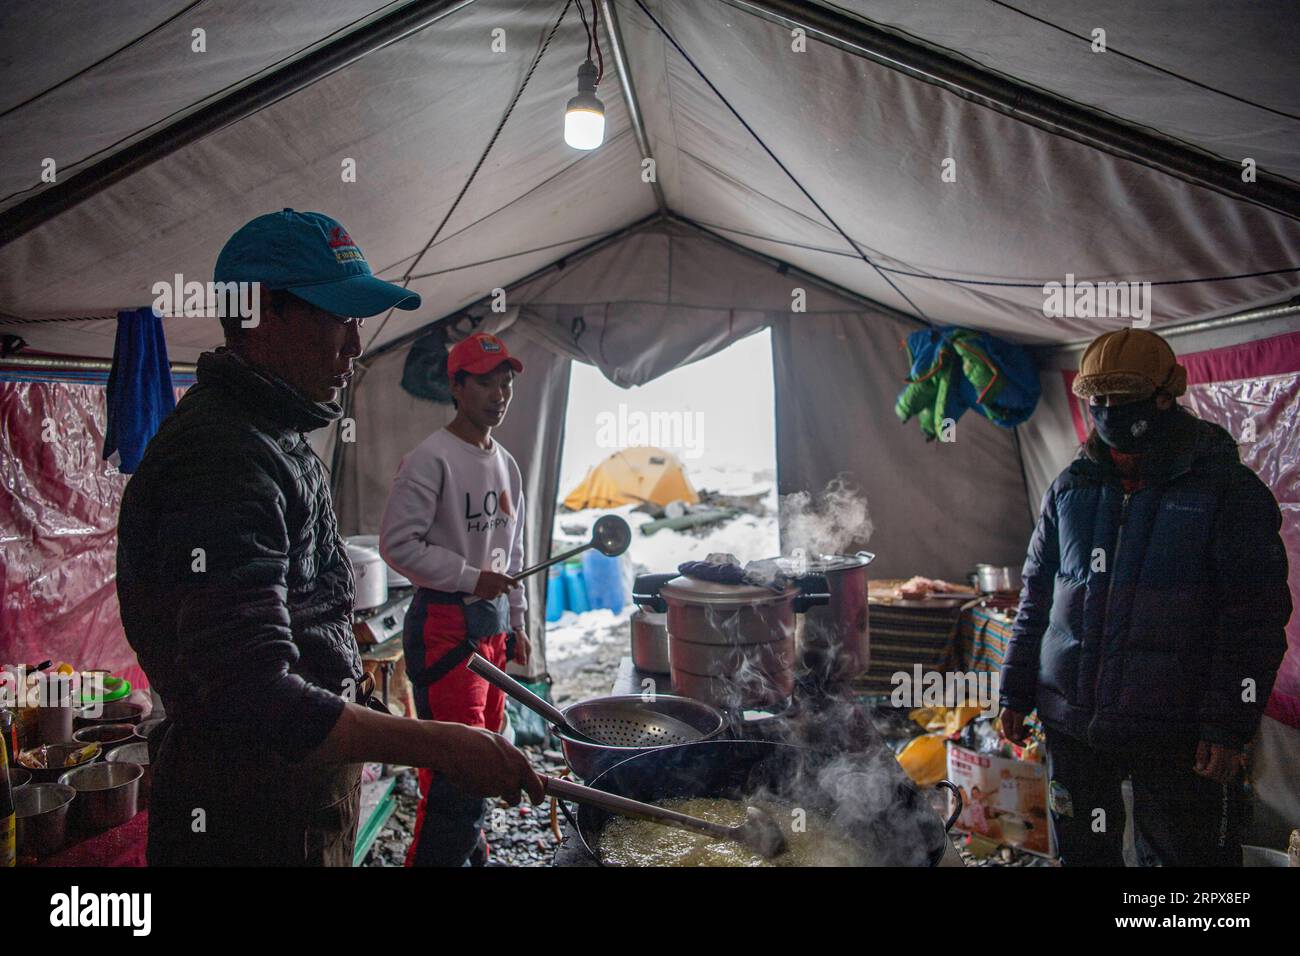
{"x": 1143, "y": 616}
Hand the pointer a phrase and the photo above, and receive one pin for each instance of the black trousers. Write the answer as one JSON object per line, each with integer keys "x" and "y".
{"x": 1179, "y": 817}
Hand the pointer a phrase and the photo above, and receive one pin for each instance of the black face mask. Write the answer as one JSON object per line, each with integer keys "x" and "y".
{"x": 1128, "y": 428}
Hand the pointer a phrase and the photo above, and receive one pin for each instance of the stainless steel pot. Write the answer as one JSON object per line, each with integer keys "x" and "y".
{"x": 108, "y": 794}
{"x": 42, "y": 812}
{"x": 650, "y": 641}
{"x": 997, "y": 579}
{"x": 147, "y": 727}
{"x": 112, "y": 712}
{"x": 56, "y": 754}
{"x": 395, "y": 578}
{"x": 371, "y": 576}
{"x": 731, "y": 645}
{"x": 137, "y": 753}
{"x": 108, "y": 736}
{"x": 836, "y": 645}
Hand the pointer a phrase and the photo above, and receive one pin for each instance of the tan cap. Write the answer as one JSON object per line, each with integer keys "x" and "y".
{"x": 1129, "y": 362}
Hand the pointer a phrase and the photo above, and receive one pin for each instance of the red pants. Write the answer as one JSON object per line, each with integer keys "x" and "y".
{"x": 448, "y": 825}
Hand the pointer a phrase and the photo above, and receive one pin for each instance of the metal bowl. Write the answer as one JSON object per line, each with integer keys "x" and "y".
{"x": 42, "y": 812}
{"x": 146, "y": 727}
{"x": 57, "y": 753}
{"x": 634, "y": 724}
{"x": 137, "y": 753}
{"x": 113, "y": 712}
{"x": 997, "y": 579}
{"x": 19, "y": 777}
{"x": 107, "y": 736}
{"x": 108, "y": 794}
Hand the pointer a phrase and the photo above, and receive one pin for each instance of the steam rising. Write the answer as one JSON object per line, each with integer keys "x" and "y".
{"x": 834, "y": 521}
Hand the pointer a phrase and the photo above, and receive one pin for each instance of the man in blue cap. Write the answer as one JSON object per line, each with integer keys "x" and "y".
{"x": 236, "y": 592}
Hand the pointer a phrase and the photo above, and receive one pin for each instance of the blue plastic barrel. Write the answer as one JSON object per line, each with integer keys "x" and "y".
{"x": 575, "y": 589}
{"x": 554, "y": 594}
{"x": 604, "y": 579}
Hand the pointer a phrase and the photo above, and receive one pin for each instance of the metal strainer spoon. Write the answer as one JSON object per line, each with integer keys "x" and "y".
{"x": 759, "y": 832}
{"x": 497, "y": 677}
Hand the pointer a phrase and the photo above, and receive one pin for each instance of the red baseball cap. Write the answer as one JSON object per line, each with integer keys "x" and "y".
{"x": 479, "y": 354}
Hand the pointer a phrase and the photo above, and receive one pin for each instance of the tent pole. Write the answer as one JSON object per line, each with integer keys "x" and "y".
{"x": 1202, "y": 325}
{"x": 615, "y": 35}
{"x": 936, "y": 66}
{"x": 25, "y": 216}
{"x": 74, "y": 364}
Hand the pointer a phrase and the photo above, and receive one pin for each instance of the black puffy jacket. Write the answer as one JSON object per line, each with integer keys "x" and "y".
{"x": 236, "y": 594}
{"x": 1149, "y": 616}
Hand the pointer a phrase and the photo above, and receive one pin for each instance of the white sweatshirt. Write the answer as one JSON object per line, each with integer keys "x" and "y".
{"x": 455, "y": 509}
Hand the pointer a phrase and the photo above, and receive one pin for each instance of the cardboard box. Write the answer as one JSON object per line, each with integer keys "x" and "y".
{"x": 1003, "y": 799}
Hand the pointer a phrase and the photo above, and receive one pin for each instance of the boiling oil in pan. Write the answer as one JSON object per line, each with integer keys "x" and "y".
{"x": 810, "y": 840}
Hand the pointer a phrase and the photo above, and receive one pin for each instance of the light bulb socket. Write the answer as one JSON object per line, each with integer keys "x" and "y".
{"x": 587, "y": 78}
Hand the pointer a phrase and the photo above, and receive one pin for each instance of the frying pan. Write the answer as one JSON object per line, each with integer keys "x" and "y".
{"x": 866, "y": 796}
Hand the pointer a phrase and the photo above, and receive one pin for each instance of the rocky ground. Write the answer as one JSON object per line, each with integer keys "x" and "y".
{"x": 519, "y": 836}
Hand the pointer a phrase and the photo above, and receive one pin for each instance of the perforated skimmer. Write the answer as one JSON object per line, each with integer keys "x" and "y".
{"x": 600, "y": 732}
{"x": 635, "y": 722}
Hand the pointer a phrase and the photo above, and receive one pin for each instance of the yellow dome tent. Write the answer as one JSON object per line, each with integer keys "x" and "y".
{"x": 633, "y": 476}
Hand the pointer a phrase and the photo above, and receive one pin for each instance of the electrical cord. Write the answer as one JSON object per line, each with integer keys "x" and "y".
{"x": 406, "y": 278}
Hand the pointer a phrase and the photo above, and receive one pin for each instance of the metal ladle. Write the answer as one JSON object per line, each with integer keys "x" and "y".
{"x": 610, "y": 535}
{"x": 759, "y": 832}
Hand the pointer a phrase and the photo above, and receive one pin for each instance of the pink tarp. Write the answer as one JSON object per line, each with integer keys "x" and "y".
{"x": 58, "y": 530}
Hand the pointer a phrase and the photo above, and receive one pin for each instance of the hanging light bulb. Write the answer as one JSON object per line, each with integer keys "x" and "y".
{"x": 584, "y": 117}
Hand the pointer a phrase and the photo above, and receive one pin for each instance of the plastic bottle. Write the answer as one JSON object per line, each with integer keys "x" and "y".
{"x": 604, "y": 580}
{"x": 575, "y": 589}
{"x": 554, "y": 595}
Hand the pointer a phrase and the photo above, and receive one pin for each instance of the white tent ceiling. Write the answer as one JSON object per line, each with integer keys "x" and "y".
{"x": 864, "y": 141}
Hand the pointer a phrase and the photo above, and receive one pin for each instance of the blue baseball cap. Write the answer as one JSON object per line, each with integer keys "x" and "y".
{"x": 312, "y": 256}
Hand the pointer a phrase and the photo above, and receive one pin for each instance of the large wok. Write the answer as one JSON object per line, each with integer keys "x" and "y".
{"x": 867, "y": 796}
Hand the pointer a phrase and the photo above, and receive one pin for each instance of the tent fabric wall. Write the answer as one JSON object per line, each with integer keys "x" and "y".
{"x": 936, "y": 508}
{"x": 1050, "y": 44}
{"x": 662, "y": 297}
{"x": 869, "y": 144}
{"x": 1028, "y": 206}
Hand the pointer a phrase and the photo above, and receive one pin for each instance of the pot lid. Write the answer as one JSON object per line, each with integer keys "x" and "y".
{"x": 826, "y": 563}
{"x": 695, "y": 591}
{"x": 800, "y": 566}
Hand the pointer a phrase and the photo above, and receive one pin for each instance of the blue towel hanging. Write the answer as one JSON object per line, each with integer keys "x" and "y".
{"x": 140, "y": 391}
